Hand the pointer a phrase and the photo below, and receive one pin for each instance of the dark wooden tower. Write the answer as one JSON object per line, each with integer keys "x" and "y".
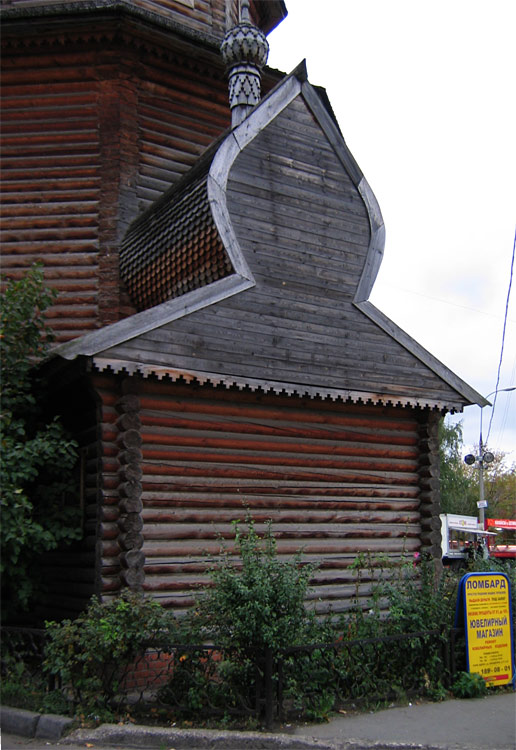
{"x": 244, "y": 368}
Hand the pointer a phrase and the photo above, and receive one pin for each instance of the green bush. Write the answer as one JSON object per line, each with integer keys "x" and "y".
{"x": 91, "y": 655}
{"x": 256, "y": 606}
{"x": 258, "y": 603}
{"x": 37, "y": 458}
{"x": 469, "y": 685}
{"x": 19, "y": 688}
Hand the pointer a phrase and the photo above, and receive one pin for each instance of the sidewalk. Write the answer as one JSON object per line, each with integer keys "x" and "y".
{"x": 477, "y": 724}
{"x": 484, "y": 723}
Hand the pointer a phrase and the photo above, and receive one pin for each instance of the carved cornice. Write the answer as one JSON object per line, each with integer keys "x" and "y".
{"x": 85, "y": 8}
{"x": 110, "y": 23}
{"x": 98, "y": 21}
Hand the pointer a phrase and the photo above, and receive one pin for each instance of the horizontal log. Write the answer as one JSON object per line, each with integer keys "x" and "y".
{"x": 312, "y": 515}
{"x": 130, "y": 456}
{"x": 130, "y": 473}
{"x": 132, "y": 490}
{"x": 133, "y": 578}
{"x": 267, "y": 455}
{"x": 131, "y": 522}
{"x": 252, "y": 473}
{"x": 128, "y": 421}
{"x": 128, "y": 403}
{"x": 128, "y": 439}
{"x": 319, "y": 547}
{"x": 132, "y": 559}
{"x": 131, "y": 540}
{"x": 310, "y": 531}
{"x": 131, "y": 505}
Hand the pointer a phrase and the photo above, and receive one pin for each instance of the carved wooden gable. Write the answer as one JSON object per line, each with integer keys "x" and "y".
{"x": 301, "y": 238}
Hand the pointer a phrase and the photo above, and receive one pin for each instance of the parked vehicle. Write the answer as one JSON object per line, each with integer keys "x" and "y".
{"x": 503, "y": 544}
{"x": 462, "y": 538}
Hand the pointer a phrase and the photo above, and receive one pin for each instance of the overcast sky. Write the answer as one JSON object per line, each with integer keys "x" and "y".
{"x": 424, "y": 93}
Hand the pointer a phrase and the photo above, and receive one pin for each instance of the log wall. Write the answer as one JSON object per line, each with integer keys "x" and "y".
{"x": 335, "y": 480}
{"x": 168, "y": 468}
{"x": 93, "y": 130}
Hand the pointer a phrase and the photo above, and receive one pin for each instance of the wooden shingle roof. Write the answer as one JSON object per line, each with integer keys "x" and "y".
{"x": 174, "y": 247}
{"x": 303, "y": 239}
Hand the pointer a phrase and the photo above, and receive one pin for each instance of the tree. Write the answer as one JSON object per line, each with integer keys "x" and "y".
{"x": 460, "y": 483}
{"x": 459, "y": 492}
{"x": 37, "y": 456}
{"x": 500, "y": 487}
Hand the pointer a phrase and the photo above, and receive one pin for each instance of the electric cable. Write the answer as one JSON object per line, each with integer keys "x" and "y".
{"x": 503, "y": 339}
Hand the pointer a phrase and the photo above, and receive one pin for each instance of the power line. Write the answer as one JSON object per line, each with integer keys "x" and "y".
{"x": 442, "y": 301}
{"x": 503, "y": 339}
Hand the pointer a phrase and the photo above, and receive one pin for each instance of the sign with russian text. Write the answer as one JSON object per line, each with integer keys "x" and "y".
{"x": 501, "y": 523}
{"x": 484, "y": 603}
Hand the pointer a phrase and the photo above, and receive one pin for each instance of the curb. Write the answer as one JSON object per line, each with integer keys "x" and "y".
{"x": 138, "y": 736}
{"x": 53, "y": 727}
{"x": 30, "y": 724}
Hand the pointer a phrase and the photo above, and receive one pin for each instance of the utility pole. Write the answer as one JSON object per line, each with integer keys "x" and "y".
{"x": 483, "y": 458}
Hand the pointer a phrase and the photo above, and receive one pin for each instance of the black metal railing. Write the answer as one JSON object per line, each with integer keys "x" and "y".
{"x": 208, "y": 680}
{"x": 23, "y": 645}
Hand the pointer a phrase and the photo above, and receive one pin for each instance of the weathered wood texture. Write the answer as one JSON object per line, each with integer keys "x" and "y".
{"x": 304, "y": 231}
{"x": 208, "y": 17}
{"x": 201, "y": 15}
{"x": 89, "y": 138}
{"x": 335, "y": 480}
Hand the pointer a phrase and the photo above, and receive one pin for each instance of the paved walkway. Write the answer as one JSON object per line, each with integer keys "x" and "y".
{"x": 487, "y": 723}
{"x": 478, "y": 724}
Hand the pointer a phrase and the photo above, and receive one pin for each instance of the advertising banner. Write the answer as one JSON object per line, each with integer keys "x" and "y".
{"x": 484, "y": 606}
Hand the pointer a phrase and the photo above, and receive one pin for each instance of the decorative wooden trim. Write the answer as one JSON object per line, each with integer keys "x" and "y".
{"x": 376, "y": 242}
{"x": 131, "y": 368}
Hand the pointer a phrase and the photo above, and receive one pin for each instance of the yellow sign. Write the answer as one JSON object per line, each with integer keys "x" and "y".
{"x": 488, "y": 625}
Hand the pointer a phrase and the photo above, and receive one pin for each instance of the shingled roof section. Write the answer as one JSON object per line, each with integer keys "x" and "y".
{"x": 303, "y": 235}
{"x": 174, "y": 247}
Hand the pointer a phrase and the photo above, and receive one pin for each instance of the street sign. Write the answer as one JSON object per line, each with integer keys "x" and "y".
{"x": 482, "y": 504}
{"x": 484, "y": 606}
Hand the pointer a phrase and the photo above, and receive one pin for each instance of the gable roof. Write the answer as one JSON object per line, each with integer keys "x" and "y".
{"x": 311, "y": 333}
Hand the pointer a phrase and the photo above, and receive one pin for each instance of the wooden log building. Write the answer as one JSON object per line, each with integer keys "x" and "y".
{"x": 217, "y": 350}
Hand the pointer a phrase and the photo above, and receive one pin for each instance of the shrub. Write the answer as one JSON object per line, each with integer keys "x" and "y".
{"x": 91, "y": 654}
{"x": 258, "y": 603}
{"x": 469, "y": 685}
{"x": 19, "y": 688}
{"x": 37, "y": 457}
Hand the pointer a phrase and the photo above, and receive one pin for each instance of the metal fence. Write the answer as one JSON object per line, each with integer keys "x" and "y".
{"x": 301, "y": 681}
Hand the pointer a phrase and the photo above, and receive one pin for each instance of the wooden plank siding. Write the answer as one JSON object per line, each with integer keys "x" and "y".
{"x": 334, "y": 479}
{"x": 303, "y": 230}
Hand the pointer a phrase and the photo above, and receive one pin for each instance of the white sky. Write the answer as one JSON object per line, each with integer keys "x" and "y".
{"x": 424, "y": 93}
